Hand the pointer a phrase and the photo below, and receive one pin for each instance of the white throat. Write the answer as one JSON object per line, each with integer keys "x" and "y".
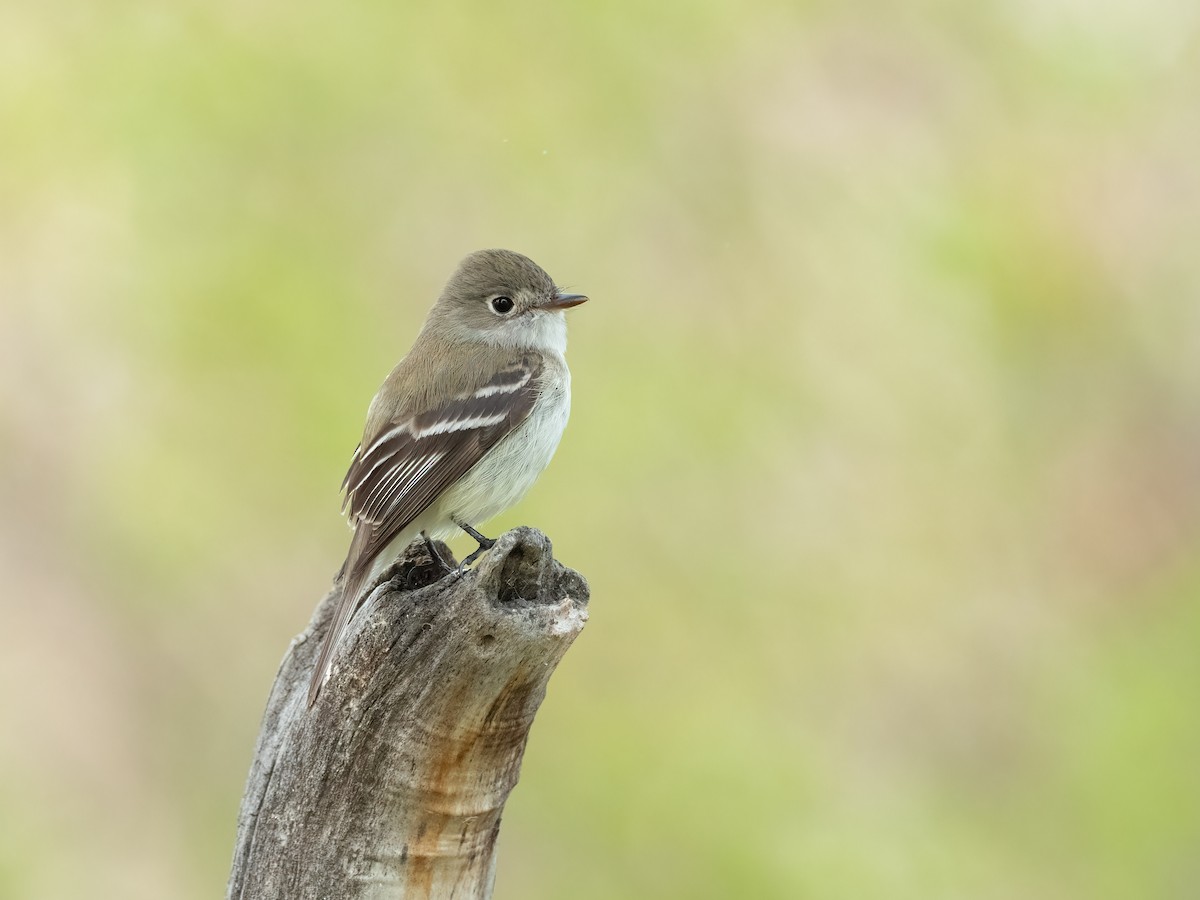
{"x": 544, "y": 331}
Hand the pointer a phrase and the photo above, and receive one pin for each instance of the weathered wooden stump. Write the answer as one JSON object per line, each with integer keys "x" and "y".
{"x": 392, "y": 785}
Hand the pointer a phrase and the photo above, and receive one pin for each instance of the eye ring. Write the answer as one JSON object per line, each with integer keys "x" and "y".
{"x": 502, "y": 305}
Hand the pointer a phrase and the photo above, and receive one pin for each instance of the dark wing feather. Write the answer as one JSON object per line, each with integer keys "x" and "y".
{"x": 405, "y": 468}
{"x": 397, "y": 474}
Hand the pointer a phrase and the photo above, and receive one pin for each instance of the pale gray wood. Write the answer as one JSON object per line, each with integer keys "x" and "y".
{"x": 393, "y": 784}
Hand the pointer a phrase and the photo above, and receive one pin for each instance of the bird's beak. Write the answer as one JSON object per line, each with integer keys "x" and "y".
{"x": 564, "y": 301}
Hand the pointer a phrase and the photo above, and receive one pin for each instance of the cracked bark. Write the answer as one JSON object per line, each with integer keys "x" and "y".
{"x": 393, "y": 784}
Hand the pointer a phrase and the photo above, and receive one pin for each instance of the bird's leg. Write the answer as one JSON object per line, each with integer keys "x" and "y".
{"x": 485, "y": 544}
{"x": 434, "y": 555}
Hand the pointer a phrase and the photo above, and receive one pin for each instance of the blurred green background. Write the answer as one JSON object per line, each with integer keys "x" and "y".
{"x": 884, "y": 464}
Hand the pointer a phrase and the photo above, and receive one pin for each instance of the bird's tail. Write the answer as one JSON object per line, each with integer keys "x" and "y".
{"x": 354, "y": 574}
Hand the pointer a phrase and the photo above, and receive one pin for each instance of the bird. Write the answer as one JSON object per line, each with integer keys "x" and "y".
{"x": 461, "y": 428}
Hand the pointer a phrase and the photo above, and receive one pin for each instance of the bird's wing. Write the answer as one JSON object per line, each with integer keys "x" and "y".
{"x": 411, "y": 461}
{"x": 408, "y": 463}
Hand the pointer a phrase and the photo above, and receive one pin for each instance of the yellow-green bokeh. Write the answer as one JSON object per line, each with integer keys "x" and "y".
{"x": 884, "y": 463}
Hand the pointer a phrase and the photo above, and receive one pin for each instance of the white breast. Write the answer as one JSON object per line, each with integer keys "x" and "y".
{"x": 510, "y": 469}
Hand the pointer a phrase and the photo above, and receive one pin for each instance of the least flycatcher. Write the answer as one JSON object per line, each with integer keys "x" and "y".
{"x": 463, "y": 425}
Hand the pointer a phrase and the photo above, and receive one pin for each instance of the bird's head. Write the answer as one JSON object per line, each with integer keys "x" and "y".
{"x": 504, "y": 299}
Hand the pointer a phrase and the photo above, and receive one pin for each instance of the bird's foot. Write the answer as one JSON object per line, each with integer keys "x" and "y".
{"x": 435, "y": 555}
{"x": 485, "y": 544}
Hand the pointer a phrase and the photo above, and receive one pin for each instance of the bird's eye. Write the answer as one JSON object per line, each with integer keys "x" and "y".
{"x": 502, "y": 305}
